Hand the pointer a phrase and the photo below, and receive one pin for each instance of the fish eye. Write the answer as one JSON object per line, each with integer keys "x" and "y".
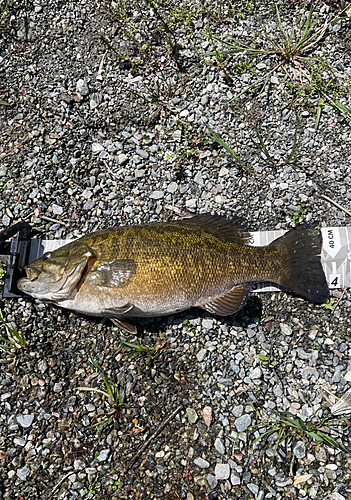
{"x": 47, "y": 256}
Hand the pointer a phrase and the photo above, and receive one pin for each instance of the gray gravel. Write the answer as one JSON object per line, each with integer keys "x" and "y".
{"x": 107, "y": 133}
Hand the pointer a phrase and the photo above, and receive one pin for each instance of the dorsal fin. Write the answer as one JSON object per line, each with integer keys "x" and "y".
{"x": 233, "y": 229}
{"x": 229, "y": 303}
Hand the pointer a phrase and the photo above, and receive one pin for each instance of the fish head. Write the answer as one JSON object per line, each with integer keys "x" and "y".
{"x": 58, "y": 275}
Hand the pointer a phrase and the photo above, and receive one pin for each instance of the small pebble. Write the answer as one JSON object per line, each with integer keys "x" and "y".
{"x": 235, "y": 478}
{"x": 285, "y": 329}
{"x": 200, "y": 462}
{"x": 222, "y": 471}
{"x": 103, "y": 455}
{"x": 201, "y": 355}
{"x": 192, "y": 415}
{"x": 122, "y": 158}
{"x": 219, "y": 446}
{"x": 172, "y": 187}
{"x": 242, "y": 423}
{"x": 82, "y": 87}
{"x": 212, "y": 481}
{"x": 299, "y": 449}
{"x": 142, "y": 153}
{"x": 25, "y": 420}
{"x": 23, "y": 473}
{"x": 253, "y": 488}
{"x": 157, "y": 195}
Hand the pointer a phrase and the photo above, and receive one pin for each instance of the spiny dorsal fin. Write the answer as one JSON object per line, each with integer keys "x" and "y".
{"x": 230, "y": 303}
{"x": 233, "y": 229}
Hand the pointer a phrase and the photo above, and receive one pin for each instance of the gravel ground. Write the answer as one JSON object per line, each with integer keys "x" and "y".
{"x": 107, "y": 127}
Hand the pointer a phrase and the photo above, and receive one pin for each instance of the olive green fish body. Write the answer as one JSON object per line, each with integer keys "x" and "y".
{"x": 159, "y": 269}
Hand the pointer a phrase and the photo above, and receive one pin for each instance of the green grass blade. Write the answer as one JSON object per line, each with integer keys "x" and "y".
{"x": 105, "y": 379}
{"x": 309, "y": 25}
{"x": 280, "y": 23}
{"x": 319, "y": 113}
{"x": 298, "y": 423}
{"x": 334, "y": 444}
{"x": 339, "y": 106}
{"x": 301, "y": 22}
{"x": 281, "y": 438}
{"x": 336, "y": 420}
{"x": 218, "y": 52}
{"x": 217, "y": 138}
{"x": 7, "y": 340}
{"x": 274, "y": 429}
{"x": 5, "y": 10}
{"x": 315, "y": 436}
{"x": 234, "y": 47}
{"x": 135, "y": 347}
{"x": 19, "y": 336}
{"x": 98, "y": 367}
{"x": 257, "y": 82}
{"x": 293, "y": 155}
{"x": 261, "y": 146}
{"x": 102, "y": 423}
{"x": 7, "y": 348}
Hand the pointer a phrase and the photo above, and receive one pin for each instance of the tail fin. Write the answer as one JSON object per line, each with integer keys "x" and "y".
{"x": 302, "y": 270}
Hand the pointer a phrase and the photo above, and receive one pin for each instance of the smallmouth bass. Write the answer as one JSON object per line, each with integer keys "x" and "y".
{"x": 163, "y": 268}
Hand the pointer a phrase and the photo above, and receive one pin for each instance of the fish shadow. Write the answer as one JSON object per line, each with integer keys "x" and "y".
{"x": 250, "y": 313}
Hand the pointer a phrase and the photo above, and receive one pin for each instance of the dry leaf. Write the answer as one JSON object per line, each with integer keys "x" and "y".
{"x": 302, "y": 479}
{"x": 207, "y": 414}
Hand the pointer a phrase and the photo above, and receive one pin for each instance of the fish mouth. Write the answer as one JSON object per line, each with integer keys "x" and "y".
{"x": 32, "y": 274}
{"x": 30, "y": 277}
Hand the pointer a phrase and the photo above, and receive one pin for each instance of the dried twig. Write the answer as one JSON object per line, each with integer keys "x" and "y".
{"x": 110, "y": 172}
{"x": 156, "y": 433}
{"x": 62, "y": 479}
{"x": 326, "y": 397}
{"x": 336, "y": 204}
{"x": 338, "y": 302}
{"x": 183, "y": 212}
{"x": 102, "y": 63}
{"x": 291, "y": 471}
{"x": 49, "y": 219}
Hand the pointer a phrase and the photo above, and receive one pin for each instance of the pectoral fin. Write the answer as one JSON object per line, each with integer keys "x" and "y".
{"x": 229, "y": 303}
{"x": 117, "y": 273}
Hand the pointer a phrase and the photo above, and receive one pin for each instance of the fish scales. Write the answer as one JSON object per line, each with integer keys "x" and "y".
{"x": 158, "y": 269}
{"x": 188, "y": 260}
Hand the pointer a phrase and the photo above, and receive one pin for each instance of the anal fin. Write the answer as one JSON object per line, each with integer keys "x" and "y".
{"x": 229, "y": 303}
